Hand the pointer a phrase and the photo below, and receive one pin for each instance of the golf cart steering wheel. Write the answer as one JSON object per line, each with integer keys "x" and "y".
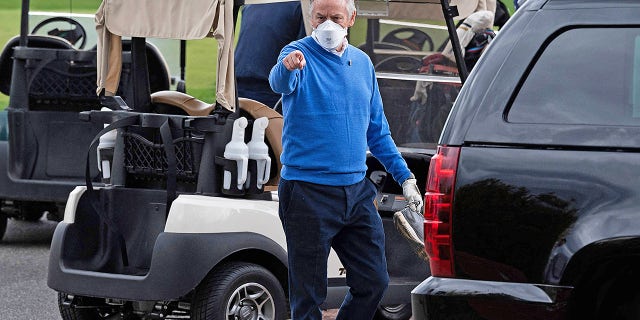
{"x": 74, "y": 35}
{"x": 412, "y": 38}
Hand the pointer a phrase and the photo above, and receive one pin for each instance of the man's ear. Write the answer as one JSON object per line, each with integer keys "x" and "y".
{"x": 352, "y": 19}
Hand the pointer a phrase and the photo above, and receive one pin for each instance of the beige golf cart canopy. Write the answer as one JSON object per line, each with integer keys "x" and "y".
{"x": 196, "y": 19}
{"x": 174, "y": 19}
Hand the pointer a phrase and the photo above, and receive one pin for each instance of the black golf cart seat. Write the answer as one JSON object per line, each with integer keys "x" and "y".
{"x": 6, "y": 61}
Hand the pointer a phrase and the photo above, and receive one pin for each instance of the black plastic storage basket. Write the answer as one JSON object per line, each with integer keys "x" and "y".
{"x": 145, "y": 159}
{"x": 62, "y": 80}
{"x": 65, "y": 79}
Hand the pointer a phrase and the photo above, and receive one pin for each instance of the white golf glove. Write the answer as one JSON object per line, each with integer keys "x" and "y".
{"x": 412, "y": 194}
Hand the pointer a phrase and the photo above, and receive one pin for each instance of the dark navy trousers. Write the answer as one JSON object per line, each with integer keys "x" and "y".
{"x": 316, "y": 218}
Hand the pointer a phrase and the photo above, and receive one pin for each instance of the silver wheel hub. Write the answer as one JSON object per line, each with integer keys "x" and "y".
{"x": 251, "y": 301}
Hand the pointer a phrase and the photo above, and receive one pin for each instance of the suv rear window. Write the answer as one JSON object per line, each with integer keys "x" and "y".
{"x": 583, "y": 76}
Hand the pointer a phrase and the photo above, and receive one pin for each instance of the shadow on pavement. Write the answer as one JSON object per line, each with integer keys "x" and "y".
{"x": 28, "y": 233}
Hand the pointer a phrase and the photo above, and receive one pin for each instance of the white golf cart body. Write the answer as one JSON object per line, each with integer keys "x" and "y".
{"x": 149, "y": 246}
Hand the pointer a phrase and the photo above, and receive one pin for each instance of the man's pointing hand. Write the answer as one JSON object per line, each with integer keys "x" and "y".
{"x": 294, "y": 60}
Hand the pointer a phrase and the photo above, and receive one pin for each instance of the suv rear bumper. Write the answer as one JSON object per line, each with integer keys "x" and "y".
{"x": 446, "y": 298}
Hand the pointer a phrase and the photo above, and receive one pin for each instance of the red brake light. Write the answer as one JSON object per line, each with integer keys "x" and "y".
{"x": 438, "y": 209}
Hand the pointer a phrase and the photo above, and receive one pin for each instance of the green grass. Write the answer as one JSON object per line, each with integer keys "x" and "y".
{"x": 509, "y": 5}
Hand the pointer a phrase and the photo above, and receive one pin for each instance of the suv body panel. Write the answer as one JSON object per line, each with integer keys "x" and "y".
{"x": 501, "y": 77}
{"x": 470, "y": 299}
{"x": 530, "y": 223}
{"x": 537, "y": 206}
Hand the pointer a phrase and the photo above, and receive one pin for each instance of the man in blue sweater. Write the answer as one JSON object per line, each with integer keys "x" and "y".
{"x": 332, "y": 113}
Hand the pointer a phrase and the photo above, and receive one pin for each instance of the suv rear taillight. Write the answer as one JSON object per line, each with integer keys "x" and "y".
{"x": 438, "y": 209}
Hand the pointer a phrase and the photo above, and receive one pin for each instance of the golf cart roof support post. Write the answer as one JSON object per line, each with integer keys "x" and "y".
{"x": 450, "y": 12}
{"x": 183, "y": 58}
{"x": 141, "y": 88}
{"x": 373, "y": 35}
{"x": 236, "y": 12}
{"x": 24, "y": 23}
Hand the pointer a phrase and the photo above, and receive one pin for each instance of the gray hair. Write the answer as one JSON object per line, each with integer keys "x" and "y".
{"x": 350, "y": 4}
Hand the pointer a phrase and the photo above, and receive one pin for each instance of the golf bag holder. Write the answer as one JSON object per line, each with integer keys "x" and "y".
{"x": 251, "y": 187}
{"x": 231, "y": 166}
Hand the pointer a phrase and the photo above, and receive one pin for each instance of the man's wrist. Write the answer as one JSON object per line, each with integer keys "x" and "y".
{"x": 411, "y": 176}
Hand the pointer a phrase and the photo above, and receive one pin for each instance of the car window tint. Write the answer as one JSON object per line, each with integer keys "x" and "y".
{"x": 584, "y": 76}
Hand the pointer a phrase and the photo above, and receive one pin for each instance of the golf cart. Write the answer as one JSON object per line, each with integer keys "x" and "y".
{"x": 49, "y": 72}
{"x": 185, "y": 223}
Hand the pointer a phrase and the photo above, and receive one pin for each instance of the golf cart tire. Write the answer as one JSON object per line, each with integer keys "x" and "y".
{"x": 393, "y": 312}
{"x": 228, "y": 282}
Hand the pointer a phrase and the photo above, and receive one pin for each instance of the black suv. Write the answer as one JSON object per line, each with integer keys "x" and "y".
{"x": 532, "y": 208}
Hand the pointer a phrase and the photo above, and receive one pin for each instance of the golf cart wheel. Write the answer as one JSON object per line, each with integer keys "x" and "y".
{"x": 394, "y": 312}
{"x": 3, "y": 224}
{"x": 68, "y": 312}
{"x": 238, "y": 290}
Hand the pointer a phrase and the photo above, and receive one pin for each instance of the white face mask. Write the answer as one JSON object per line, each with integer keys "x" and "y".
{"x": 329, "y": 34}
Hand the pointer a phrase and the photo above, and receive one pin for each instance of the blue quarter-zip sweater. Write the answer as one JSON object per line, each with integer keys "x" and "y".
{"x": 332, "y": 112}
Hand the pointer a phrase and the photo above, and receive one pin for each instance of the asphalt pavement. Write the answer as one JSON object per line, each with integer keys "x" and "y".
{"x": 24, "y": 254}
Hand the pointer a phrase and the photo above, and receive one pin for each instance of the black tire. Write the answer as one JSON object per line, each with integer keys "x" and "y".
{"x": 627, "y": 309}
{"x": 3, "y": 224}
{"x": 235, "y": 288}
{"x": 71, "y": 313}
{"x": 393, "y": 312}
{"x": 620, "y": 299}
